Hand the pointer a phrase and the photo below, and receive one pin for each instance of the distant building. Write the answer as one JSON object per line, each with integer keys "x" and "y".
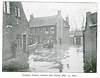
{"x": 15, "y": 27}
{"x": 90, "y": 42}
{"x": 77, "y": 38}
{"x": 53, "y": 28}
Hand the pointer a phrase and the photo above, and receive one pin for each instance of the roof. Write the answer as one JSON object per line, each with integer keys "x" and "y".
{"x": 45, "y": 21}
{"x": 41, "y": 21}
{"x": 92, "y": 19}
{"x": 76, "y": 33}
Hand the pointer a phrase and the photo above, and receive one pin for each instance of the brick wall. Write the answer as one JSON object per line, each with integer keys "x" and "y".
{"x": 13, "y": 26}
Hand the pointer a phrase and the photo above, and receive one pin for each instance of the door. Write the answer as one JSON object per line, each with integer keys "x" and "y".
{"x": 24, "y": 43}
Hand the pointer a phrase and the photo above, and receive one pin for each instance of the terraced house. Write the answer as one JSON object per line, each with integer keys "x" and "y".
{"x": 15, "y": 27}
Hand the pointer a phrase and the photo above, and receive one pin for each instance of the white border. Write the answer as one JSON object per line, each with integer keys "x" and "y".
{"x": 78, "y": 75}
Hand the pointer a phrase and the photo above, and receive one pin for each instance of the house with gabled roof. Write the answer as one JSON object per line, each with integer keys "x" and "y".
{"x": 44, "y": 29}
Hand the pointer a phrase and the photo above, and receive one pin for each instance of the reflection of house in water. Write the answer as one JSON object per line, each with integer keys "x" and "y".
{"x": 14, "y": 29}
{"x": 54, "y": 28}
{"x": 90, "y": 42}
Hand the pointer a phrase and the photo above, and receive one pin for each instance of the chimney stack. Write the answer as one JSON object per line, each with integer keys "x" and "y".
{"x": 67, "y": 20}
{"x": 31, "y": 17}
{"x": 59, "y": 12}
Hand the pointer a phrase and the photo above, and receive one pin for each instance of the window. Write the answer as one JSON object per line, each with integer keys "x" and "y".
{"x": 46, "y": 31}
{"x": 19, "y": 40}
{"x": 17, "y": 20}
{"x": 52, "y": 30}
{"x": 8, "y": 7}
{"x": 19, "y": 12}
{"x": 4, "y": 7}
{"x": 15, "y": 11}
{"x": 78, "y": 41}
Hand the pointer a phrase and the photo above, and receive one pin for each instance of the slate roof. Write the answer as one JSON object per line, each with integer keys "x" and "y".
{"x": 93, "y": 19}
{"x": 42, "y": 21}
{"x": 45, "y": 21}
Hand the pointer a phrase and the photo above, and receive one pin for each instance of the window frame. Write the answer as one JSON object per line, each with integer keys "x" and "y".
{"x": 8, "y": 7}
{"x": 18, "y": 12}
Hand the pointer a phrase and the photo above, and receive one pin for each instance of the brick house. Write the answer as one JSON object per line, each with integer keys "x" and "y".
{"x": 15, "y": 27}
{"x": 53, "y": 28}
{"x": 90, "y": 42}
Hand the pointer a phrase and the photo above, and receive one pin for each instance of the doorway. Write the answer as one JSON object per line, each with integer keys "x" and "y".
{"x": 24, "y": 43}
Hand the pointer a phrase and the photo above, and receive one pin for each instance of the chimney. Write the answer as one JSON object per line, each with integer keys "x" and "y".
{"x": 31, "y": 17}
{"x": 59, "y": 12}
{"x": 67, "y": 20}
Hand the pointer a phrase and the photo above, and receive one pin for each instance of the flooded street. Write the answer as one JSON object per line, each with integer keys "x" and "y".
{"x": 49, "y": 37}
{"x": 73, "y": 61}
{"x": 59, "y": 60}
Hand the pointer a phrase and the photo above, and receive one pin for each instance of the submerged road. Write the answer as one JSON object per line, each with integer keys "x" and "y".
{"x": 59, "y": 60}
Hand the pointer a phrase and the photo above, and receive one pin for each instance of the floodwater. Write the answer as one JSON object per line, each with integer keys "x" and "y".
{"x": 59, "y": 60}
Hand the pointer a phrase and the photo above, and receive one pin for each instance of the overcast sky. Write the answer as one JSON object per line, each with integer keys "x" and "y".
{"x": 75, "y": 11}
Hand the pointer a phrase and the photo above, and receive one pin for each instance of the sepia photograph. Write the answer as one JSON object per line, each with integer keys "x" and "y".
{"x": 49, "y": 37}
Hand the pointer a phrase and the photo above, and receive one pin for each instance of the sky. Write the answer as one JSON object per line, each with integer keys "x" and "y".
{"x": 75, "y": 11}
